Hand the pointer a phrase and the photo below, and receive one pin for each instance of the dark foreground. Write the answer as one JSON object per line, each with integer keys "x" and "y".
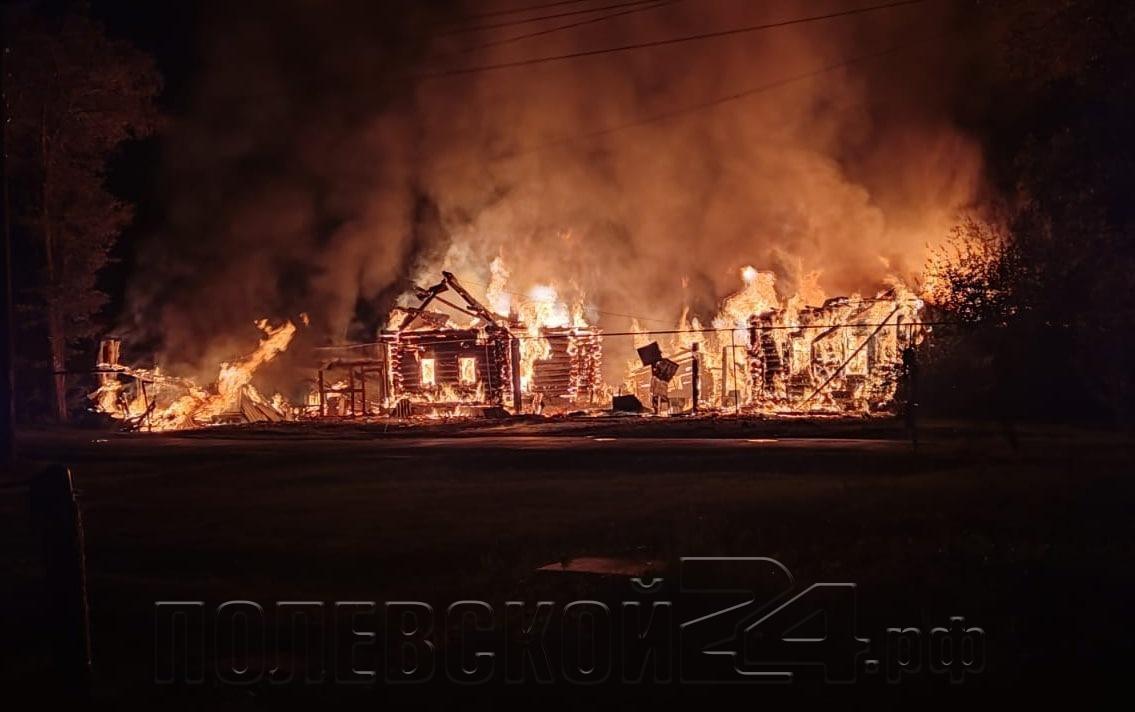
{"x": 1032, "y": 543}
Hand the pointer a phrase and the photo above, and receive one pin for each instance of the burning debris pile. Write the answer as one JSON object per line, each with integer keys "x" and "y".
{"x": 149, "y": 399}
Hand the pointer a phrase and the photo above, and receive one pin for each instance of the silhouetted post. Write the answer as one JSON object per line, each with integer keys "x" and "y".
{"x": 363, "y": 388}
{"x": 724, "y": 376}
{"x": 514, "y": 355}
{"x": 146, "y": 402}
{"x": 322, "y": 404}
{"x": 351, "y": 387}
{"x": 910, "y": 372}
{"x": 733, "y": 364}
{"x": 7, "y": 414}
{"x": 60, "y": 524}
{"x": 695, "y": 386}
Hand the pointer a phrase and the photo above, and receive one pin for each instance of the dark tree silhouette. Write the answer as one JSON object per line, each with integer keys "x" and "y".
{"x": 73, "y": 95}
{"x": 1048, "y": 294}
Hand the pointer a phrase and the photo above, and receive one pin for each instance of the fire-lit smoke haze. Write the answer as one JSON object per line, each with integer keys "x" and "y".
{"x": 322, "y": 168}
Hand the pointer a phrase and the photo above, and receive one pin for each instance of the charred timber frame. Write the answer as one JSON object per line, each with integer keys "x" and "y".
{"x": 792, "y": 367}
{"x": 492, "y": 347}
{"x": 358, "y": 371}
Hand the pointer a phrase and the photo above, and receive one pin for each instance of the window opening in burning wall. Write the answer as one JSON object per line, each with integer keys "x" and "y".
{"x": 429, "y": 377}
{"x": 467, "y": 370}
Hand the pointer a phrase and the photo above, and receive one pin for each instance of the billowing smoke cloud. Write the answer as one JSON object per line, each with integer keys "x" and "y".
{"x": 314, "y": 173}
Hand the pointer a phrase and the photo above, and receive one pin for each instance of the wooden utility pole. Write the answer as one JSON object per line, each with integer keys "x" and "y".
{"x": 8, "y": 434}
{"x": 695, "y": 386}
{"x": 60, "y": 525}
{"x": 514, "y": 360}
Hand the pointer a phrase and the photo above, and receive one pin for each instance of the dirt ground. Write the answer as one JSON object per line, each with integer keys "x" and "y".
{"x": 1028, "y": 537}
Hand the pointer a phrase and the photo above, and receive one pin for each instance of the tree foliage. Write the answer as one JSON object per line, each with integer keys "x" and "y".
{"x": 1048, "y": 294}
{"x": 73, "y": 96}
{"x": 970, "y": 276}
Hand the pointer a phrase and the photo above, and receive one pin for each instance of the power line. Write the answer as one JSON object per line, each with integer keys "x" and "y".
{"x": 692, "y": 108}
{"x": 663, "y": 42}
{"x": 559, "y": 28}
{"x": 711, "y": 103}
{"x": 513, "y": 11}
{"x": 669, "y": 332}
{"x": 689, "y": 109}
{"x": 541, "y": 18}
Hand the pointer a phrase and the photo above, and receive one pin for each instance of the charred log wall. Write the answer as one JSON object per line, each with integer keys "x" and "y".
{"x": 572, "y": 370}
{"x": 489, "y": 349}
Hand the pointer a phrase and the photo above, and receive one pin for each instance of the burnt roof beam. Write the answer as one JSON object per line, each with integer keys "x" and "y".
{"x": 475, "y": 305}
{"x": 427, "y": 296}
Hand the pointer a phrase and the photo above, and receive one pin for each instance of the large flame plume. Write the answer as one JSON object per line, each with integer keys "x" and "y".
{"x": 172, "y": 403}
{"x": 338, "y": 180}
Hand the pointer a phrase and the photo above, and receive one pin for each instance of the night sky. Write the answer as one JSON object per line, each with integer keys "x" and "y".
{"x": 168, "y": 31}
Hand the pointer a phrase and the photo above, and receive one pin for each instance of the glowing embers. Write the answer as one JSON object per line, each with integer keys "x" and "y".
{"x": 450, "y": 366}
{"x": 556, "y": 348}
{"x": 433, "y": 362}
{"x": 467, "y": 371}
{"x": 778, "y": 356}
{"x": 429, "y": 372}
{"x": 844, "y": 356}
{"x": 568, "y": 370}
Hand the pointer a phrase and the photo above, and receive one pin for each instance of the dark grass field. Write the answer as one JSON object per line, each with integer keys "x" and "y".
{"x": 1033, "y": 543}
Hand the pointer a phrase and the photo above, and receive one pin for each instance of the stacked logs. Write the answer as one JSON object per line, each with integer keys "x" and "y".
{"x": 572, "y": 371}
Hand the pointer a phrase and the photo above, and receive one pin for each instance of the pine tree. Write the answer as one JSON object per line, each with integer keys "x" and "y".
{"x": 73, "y": 96}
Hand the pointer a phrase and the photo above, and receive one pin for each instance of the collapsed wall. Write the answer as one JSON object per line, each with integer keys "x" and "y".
{"x": 844, "y": 356}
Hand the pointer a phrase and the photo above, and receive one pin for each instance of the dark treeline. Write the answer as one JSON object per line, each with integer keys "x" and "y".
{"x": 1046, "y": 283}
{"x": 73, "y": 95}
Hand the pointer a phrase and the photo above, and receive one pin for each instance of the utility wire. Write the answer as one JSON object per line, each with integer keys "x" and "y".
{"x": 705, "y": 105}
{"x": 512, "y": 11}
{"x": 559, "y": 28}
{"x": 541, "y": 18}
{"x": 522, "y": 297}
{"x": 689, "y": 109}
{"x": 663, "y": 42}
{"x": 701, "y": 106}
{"x": 666, "y": 332}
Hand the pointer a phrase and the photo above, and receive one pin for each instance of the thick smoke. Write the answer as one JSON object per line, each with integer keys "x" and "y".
{"x": 318, "y": 171}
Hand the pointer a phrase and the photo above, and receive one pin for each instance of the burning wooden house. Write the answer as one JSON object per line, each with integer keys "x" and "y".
{"x": 567, "y": 369}
{"x": 432, "y": 361}
{"x": 845, "y": 355}
{"x": 495, "y": 360}
{"x": 454, "y": 366}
